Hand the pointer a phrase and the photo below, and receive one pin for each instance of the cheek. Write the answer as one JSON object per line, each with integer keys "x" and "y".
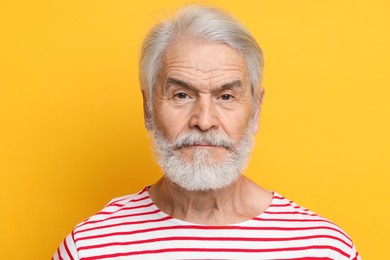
{"x": 236, "y": 129}
{"x": 171, "y": 122}
{"x": 236, "y": 123}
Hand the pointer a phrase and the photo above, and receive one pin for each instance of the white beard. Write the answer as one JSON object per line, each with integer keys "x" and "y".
{"x": 202, "y": 173}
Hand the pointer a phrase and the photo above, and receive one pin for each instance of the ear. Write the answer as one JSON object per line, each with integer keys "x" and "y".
{"x": 147, "y": 112}
{"x": 256, "y": 115}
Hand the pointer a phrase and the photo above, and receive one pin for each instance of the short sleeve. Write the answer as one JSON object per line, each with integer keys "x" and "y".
{"x": 67, "y": 250}
{"x": 355, "y": 255}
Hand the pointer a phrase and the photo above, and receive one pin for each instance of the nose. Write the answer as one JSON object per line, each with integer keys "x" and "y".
{"x": 204, "y": 115}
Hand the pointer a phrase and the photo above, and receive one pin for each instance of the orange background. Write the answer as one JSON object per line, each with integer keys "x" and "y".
{"x": 71, "y": 123}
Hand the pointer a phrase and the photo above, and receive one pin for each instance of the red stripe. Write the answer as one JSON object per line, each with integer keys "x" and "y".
{"x": 287, "y": 205}
{"x": 125, "y": 198}
{"x": 140, "y": 199}
{"x": 124, "y": 224}
{"x": 289, "y": 213}
{"x": 290, "y": 204}
{"x": 73, "y": 239}
{"x": 292, "y": 220}
{"x": 116, "y": 202}
{"x": 279, "y": 205}
{"x": 278, "y": 197}
{"x": 67, "y": 250}
{"x": 356, "y": 256}
{"x": 144, "y": 190}
{"x": 309, "y": 258}
{"x": 59, "y": 254}
{"x": 304, "y": 220}
{"x": 181, "y": 238}
{"x": 206, "y": 228}
{"x": 124, "y": 208}
{"x": 131, "y": 200}
{"x": 229, "y": 250}
{"x": 121, "y": 216}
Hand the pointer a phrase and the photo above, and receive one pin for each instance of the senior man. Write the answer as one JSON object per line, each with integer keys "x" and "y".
{"x": 201, "y": 74}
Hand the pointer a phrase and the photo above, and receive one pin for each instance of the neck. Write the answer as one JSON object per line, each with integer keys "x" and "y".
{"x": 240, "y": 201}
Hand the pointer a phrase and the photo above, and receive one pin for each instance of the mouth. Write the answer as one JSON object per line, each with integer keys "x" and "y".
{"x": 204, "y": 145}
{"x": 198, "y": 146}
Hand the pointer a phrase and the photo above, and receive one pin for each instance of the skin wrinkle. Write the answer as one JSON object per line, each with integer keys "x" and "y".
{"x": 235, "y": 87}
{"x": 180, "y": 67}
{"x": 174, "y": 81}
{"x": 196, "y": 77}
{"x": 183, "y": 67}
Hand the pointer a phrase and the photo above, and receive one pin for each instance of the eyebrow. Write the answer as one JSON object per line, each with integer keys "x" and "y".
{"x": 178, "y": 82}
{"x": 173, "y": 81}
{"x": 233, "y": 84}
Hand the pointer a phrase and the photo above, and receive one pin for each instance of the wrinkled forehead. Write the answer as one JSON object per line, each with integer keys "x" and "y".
{"x": 203, "y": 60}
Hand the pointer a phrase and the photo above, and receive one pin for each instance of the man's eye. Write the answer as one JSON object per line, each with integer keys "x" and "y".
{"x": 226, "y": 97}
{"x": 181, "y": 95}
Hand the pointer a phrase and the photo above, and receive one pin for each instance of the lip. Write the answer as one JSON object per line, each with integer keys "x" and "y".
{"x": 203, "y": 145}
{"x": 199, "y": 146}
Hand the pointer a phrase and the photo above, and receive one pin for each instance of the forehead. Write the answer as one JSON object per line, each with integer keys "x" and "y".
{"x": 197, "y": 60}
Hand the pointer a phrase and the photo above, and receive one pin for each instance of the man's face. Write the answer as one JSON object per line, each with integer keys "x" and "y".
{"x": 203, "y": 89}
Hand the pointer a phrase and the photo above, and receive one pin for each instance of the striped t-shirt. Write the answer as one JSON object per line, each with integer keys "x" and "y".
{"x": 132, "y": 227}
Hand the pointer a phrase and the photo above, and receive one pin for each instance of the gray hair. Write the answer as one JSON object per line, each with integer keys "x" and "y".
{"x": 204, "y": 23}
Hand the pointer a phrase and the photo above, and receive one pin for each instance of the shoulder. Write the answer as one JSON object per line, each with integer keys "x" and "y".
{"x": 288, "y": 208}
{"x": 101, "y": 224}
{"x": 303, "y": 224}
{"x": 116, "y": 210}
{"x": 285, "y": 211}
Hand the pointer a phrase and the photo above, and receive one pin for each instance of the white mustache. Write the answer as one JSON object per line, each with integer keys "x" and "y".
{"x": 197, "y": 138}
